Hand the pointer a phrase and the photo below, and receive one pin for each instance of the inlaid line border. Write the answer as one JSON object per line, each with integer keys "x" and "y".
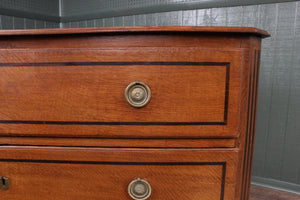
{"x": 62, "y": 64}
{"x": 223, "y": 164}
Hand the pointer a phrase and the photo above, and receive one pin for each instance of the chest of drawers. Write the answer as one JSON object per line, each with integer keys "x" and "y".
{"x": 161, "y": 113}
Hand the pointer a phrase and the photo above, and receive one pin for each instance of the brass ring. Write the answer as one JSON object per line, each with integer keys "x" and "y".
{"x": 137, "y": 94}
{"x": 139, "y": 189}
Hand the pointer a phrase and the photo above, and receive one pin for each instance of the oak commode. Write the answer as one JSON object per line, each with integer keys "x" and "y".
{"x": 160, "y": 113}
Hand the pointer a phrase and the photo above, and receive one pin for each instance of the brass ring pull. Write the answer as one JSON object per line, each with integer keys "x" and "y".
{"x": 137, "y": 94}
{"x": 139, "y": 189}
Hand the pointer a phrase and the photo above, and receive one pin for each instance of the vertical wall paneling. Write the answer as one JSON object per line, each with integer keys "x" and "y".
{"x": 18, "y": 23}
{"x": 98, "y": 22}
{"x": 29, "y": 24}
{"x": 140, "y": 20}
{"x": 49, "y": 24}
{"x": 29, "y": 14}
{"x": 10, "y": 22}
{"x": 82, "y": 24}
{"x": 7, "y": 22}
{"x": 108, "y": 22}
{"x": 39, "y": 24}
{"x": 151, "y": 19}
{"x": 280, "y": 91}
{"x": 189, "y": 18}
{"x": 118, "y": 21}
{"x": 292, "y": 126}
{"x": 90, "y": 23}
{"x": 78, "y": 10}
{"x": 45, "y": 10}
{"x": 235, "y": 16}
{"x": 163, "y": 19}
{"x": 174, "y": 18}
{"x": 129, "y": 20}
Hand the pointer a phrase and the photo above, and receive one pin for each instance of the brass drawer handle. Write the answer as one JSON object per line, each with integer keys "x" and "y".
{"x": 137, "y": 94}
{"x": 139, "y": 189}
{"x": 4, "y": 185}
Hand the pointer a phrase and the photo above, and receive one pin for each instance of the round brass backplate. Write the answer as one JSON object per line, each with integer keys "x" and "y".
{"x": 138, "y": 94}
{"x": 139, "y": 189}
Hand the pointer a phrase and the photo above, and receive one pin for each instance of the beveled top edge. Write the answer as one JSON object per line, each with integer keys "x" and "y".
{"x": 200, "y": 29}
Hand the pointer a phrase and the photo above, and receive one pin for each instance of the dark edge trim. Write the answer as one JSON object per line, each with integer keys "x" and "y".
{"x": 256, "y": 95}
{"x": 226, "y": 93}
{"x": 111, "y": 163}
{"x": 223, "y": 181}
{"x": 59, "y": 64}
{"x": 115, "y": 146}
{"x": 110, "y": 123}
{"x": 95, "y": 137}
{"x": 223, "y": 164}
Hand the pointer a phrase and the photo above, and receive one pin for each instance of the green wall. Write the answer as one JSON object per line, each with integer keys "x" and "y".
{"x": 29, "y": 14}
{"x": 75, "y": 10}
{"x": 277, "y": 148}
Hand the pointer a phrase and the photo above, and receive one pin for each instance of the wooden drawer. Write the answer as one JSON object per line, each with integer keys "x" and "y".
{"x": 93, "y": 173}
{"x": 194, "y": 92}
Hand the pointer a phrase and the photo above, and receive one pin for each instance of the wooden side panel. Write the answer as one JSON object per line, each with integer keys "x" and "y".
{"x": 249, "y": 120}
{"x": 76, "y": 173}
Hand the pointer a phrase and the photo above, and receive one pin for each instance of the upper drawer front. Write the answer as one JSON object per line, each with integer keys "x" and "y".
{"x": 56, "y": 94}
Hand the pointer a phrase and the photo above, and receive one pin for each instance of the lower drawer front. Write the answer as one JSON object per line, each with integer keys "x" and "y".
{"x": 200, "y": 175}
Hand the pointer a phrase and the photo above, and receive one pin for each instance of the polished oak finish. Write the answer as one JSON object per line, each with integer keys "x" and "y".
{"x": 128, "y": 113}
